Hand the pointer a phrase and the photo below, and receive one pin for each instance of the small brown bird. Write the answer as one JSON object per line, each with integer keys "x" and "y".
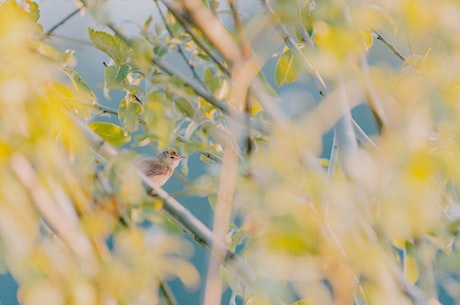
{"x": 160, "y": 168}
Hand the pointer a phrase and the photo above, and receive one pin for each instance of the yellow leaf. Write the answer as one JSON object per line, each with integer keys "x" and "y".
{"x": 411, "y": 269}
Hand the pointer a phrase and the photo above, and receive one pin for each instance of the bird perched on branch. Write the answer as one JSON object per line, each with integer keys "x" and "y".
{"x": 160, "y": 168}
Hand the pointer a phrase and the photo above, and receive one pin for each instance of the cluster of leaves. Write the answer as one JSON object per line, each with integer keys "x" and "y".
{"x": 58, "y": 213}
{"x": 375, "y": 223}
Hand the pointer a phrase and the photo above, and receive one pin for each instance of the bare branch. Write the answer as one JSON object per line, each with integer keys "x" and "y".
{"x": 390, "y": 46}
{"x": 63, "y": 21}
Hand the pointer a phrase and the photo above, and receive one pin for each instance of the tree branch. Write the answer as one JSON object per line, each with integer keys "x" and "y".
{"x": 64, "y": 20}
{"x": 390, "y": 46}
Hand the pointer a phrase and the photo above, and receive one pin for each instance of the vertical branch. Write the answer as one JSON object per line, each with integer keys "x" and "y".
{"x": 241, "y": 77}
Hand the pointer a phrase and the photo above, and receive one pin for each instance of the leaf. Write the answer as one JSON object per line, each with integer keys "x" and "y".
{"x": 287, "y": 69}
{"x": 211, "y": 79}
{"x": 111, "y": 45}
{"x": 34, "y": 10}
{"x": 81, "y": 85}
{"x": 143, "y": 54}
{"x": 411, "y": 269}
{"x": 185, "y": 106}
{"x": 115, "y": 75}
{"x": 368, "y": 40}
{"x": 128, "y": 113}
{"x": 158, "y": 123}
{"x": 113, "y": 134}
{"x": 146, "y": 25}
{"x": 307, "y": 301}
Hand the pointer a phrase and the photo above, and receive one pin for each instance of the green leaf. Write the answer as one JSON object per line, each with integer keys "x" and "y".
{"x": 111, "y": 45}
{"x": 115, "y": 75}
{"x": 211, "y": 79}
{"x": 80, "y": 84}
{"x": 113, "y": 134}
{"x": 158, "y": 123}
{"x": 287, "y": 69}
{"x": 185, "y": 106}
{"x": 143, "y": 54}
{"x": 146, "y": 25}
{"x": 128, "y": 113}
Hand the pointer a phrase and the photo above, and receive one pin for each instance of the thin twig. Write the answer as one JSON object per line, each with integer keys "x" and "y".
{"x": 363, "y": 137}
{"x": 211, "y": 156}
{"x": 180, "y": 49}
{"x": 389, "y": 45}
{"x": 64, "y": 20}
{"x": 170, "y": 298}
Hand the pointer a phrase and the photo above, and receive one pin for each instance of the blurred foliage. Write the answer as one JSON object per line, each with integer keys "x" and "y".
{"x": 377, "y": 223}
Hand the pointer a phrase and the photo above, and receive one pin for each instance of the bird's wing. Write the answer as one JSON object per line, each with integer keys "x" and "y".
{"x": 152, "y": 167}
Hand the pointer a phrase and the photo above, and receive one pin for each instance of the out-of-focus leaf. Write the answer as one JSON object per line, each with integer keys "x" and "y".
{"x": 143, "y": 54}
{"x": 113, "y": 134}
{"x": 147, "y": 24}
{"x": 217, "y": 83}
{"x": 111, "y": 45}
{"x": 304, "y": 302}
{"x": 115, "y": 75}
{"x": 34, "y": 10}
{"x": 411, "y": 269}
{"x": 159, "y": 125}
{"x": 185, "y": 106}
{"x": 368, "y": 40}
{"x": 287, "y": 69}
{"x": 128, "y": 113}
{"x": 80, "y": 84}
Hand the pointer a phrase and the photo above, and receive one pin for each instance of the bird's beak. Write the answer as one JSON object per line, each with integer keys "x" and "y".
{"x": 183, "y": 157}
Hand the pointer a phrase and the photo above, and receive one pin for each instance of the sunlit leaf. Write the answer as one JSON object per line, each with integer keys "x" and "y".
{"x": 304, "y": 302}
{"x": 128, "y": 113}
{"x": 115, "y": 75}
{"x": 80, "y": 84}
{"x": 143, "y": 54}
{"x": 113, "y": 134}
{"x": 185, "y": 106}
{"x": 368, "y": 40}
{"x": 287, "y": 69}
{"x": 111, "y": 45}
{"x": 34, "y": 10}
{"x": 411, "y": 269}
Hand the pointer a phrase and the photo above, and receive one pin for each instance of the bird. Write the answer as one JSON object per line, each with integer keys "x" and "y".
{"x": 160, "y": 168}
